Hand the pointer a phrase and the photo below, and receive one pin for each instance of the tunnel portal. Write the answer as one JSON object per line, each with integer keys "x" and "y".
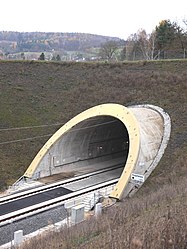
{"x": 105, "y": 136}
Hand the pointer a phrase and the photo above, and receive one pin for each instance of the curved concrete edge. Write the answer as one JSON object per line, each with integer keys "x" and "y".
{"x": 134, "y": 184}
{"x": 165, "y": 136}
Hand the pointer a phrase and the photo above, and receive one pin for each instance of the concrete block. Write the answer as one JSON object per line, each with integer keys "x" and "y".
{"x": 18, "y": 237}
{"x": 98, "y": 209}
{"x": 77, "y": 214}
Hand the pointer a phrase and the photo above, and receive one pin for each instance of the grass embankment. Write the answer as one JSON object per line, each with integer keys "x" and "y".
{"x": 36, "y": 93}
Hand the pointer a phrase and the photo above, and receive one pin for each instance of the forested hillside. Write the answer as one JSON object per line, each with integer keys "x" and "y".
{"x": 14, "y": 42}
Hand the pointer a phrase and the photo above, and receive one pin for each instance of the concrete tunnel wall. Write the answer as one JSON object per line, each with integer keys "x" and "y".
{"x": 86, "y": 147}
{"x": 104, "y": 136}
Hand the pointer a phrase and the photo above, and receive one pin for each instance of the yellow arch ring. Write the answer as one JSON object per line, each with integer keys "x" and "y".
{"x": 115, "y": 110}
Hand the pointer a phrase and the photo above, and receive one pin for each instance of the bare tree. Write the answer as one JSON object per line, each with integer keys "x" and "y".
{"x": 143, "y": 42}
{"x": 141, "y": 45}
{"x": 147, "y": 44}
{"x": 130, "y": 47}
{"x": 108, "y": 50}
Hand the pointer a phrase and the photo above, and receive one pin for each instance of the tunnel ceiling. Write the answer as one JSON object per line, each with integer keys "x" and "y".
{"x": 105, "y": 136}
{"x": 95, "y": 140}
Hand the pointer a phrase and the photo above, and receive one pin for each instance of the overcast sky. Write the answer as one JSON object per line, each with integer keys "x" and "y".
{"x": 118, "y": 18}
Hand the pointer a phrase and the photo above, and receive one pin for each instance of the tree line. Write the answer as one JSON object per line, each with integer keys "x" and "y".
{"x": 167, "y": 40}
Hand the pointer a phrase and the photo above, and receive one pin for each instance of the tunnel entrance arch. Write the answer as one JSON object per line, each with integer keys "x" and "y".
{"x": 108, "y": 132}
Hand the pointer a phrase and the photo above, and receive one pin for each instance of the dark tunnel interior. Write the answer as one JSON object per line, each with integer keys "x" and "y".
{"x": 93, "y": 144}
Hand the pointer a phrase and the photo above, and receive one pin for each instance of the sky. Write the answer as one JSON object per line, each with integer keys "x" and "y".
{"x": 116, "y": 18}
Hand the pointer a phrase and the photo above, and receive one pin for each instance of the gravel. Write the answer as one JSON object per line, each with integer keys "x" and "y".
{"x": 32, "y": 223}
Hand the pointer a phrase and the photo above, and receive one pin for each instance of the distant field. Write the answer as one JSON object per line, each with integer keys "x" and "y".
{"x": 35, "y": 93}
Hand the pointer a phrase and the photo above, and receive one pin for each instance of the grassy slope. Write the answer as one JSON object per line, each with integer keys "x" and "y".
{"x": 34, "y": 93}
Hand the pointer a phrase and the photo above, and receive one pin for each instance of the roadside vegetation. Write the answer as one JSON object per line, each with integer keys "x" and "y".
{"x": 36, "y": 93}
